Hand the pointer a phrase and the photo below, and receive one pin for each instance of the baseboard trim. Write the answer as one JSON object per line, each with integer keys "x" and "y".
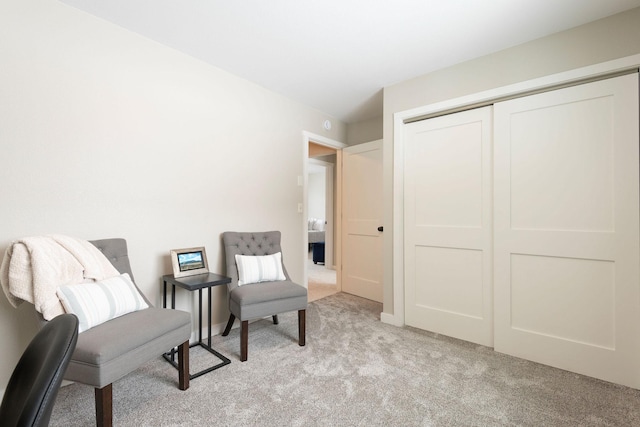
{"x": 390, "y": 319}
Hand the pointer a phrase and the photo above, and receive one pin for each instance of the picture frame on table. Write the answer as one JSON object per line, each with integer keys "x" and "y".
{"x": 189, "y": 261}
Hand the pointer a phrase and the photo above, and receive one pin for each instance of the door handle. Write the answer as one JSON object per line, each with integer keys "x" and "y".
{"x": 381, "y": 228}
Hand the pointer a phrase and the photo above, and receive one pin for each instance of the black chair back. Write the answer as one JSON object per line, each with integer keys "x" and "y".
{"x": 32, "y": 389}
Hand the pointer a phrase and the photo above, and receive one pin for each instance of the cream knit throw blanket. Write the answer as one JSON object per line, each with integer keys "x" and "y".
{"x": 34, "y": 267}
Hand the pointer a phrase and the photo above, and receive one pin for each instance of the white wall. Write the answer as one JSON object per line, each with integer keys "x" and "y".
{"x": 317, "y": 195}
{"x": 364, "y": 131}
{"x": 104, "y": 133}
{"x": 610, "y": 38}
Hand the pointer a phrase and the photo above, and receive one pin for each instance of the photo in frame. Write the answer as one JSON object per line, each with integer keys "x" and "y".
{"x": 189, "y": 262}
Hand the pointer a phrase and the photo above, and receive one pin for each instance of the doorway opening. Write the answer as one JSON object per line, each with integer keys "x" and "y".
{"x": 321, "y": 271}
{"x": 321, "y": 213}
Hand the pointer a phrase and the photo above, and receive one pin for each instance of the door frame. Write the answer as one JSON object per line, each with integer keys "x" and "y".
{"x": 308, "y": 137}
{"x": 488, "y": 97}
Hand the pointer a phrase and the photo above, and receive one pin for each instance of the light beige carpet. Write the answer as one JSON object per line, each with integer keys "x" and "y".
{"x": 355, "y": 371}
{"x": 322, "y": 281}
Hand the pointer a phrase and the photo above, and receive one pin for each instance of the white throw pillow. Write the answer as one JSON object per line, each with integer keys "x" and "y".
{"x": 259, "y": 268}
{"x": 95, "y": 303}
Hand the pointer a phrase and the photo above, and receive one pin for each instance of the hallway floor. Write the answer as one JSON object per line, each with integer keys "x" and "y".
{"x": 322, "y": 280}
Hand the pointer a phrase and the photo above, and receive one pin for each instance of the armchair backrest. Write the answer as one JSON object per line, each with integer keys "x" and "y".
{"x": 249, "y": 243}
{"x": 116, "y": 251}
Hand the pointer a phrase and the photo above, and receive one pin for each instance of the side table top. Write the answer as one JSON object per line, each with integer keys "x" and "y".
{"x": 198, "y": 281}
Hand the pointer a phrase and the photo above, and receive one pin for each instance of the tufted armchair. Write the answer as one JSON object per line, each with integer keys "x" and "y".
{"x": 256, "y": 300}
{"x": 105, "y": 354}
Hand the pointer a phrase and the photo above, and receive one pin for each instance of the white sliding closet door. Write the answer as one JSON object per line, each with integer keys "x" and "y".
{"x": 447, "y": 219}
{"x": 567, "y": 284}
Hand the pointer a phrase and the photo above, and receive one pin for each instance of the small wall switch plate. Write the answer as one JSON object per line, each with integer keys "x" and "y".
{"x": 300, "y": 181}
{"x": 299, "y": 207}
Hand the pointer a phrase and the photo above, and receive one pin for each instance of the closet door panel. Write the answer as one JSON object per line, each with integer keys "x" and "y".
{"x": 566, "y": 255}
{"x": 448, "y": 226}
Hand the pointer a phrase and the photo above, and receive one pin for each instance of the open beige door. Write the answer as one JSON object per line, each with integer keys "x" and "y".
{"x": 362, "y": 220}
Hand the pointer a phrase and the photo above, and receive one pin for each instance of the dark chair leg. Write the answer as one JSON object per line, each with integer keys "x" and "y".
{"x": 232, "y": 319}
{"x": 183, "y": 365}
{"x": 302, "y": 326}
{"x": 244, "y": 340}
{"x": 104, "y": 406}
{"x": 275, "y": 319}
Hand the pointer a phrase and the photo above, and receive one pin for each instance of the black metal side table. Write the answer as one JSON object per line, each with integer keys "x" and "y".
{"x": 192, "y": 283}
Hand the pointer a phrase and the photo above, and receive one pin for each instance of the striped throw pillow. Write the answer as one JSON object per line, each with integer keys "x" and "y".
{"x": 95, "y": 303}
{"x": 259, "y": 268}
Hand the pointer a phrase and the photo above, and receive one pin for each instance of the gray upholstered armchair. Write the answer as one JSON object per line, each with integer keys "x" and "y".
{"x": 262, "y": 295}
{"x": 106, "y": 353}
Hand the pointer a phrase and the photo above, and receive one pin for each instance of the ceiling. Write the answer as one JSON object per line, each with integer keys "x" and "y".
{"x": 337, "y": 55}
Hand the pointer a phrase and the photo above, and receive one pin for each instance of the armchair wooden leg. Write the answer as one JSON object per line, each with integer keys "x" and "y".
{"x": 104, "y": 406}
{"x": 183, "y": 365}
{"x": 275, "y": 319}
{"x": 244, "y": 340}
{"x": 302, "y": 326}
{"x": 232, "y": 319}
